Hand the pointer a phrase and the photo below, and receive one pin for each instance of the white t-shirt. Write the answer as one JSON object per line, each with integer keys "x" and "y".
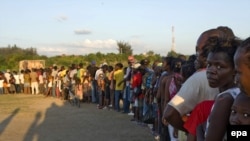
{"x": 128, "y": 71}
{"x": 54, "y": 75}
{"x": 72, "y": 74}
{"x": 16, "y": 76}
{"x": 195, "y": 90}
{"x": 1, "y": 83}
{"x": 21, "y": 78}
{"x": 40, "y": 77}
{"x": 7, "y": 76}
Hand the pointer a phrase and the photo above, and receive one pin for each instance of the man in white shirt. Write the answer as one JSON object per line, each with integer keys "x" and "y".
{"x": 100, "y": 72}
{"x": 17, "y": 81}
{"x": 7, "y": 77}
{"x": 54, "y": 76}
{"x": 196, "y": 88}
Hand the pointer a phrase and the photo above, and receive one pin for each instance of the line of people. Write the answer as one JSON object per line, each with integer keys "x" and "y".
{"x": 141, "y": 86}
{"x": 25, "y": 81}
{"x": 138, "y": 85}
{"x": 200, "y": 96}
{"x": 217, "y": 94}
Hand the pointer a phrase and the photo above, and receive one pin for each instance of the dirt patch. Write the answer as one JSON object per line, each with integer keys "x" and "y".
{"x": 35, "y": 118}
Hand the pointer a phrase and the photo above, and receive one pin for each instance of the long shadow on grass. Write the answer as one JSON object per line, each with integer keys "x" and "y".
{"x": 5, "y": 122}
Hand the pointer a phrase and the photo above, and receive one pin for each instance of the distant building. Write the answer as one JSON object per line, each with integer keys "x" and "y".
{"x": 29, "y": 64}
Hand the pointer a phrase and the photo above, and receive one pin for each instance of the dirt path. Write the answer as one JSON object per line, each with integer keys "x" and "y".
{"x": 35, "y": 118}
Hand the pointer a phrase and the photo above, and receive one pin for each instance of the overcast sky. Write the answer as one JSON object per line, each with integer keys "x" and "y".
{"x": 58, "y": 27}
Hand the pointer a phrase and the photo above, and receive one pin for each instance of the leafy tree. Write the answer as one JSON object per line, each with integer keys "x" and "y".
{"x": 172, "y": 53}
{"x": 124, "y": 48}
{"x": 150, "y": 53}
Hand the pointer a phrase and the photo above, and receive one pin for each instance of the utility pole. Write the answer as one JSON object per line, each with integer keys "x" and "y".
{"x": 173, "y": 40}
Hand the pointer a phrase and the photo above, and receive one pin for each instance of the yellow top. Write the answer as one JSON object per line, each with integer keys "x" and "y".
{"x": 118, "y": 77}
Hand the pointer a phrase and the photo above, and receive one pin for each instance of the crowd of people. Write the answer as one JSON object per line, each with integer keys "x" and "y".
{"x": 200, "y": 95}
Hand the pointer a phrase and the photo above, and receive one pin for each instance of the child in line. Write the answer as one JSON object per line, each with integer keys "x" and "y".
{"x": 242, "y": 61}
{"x": 49, "y": 86}
{"x": 111, "y": 86}
{"x": 78, "y": 89}
{"x": 101, "y": 89}
{"x": 12, "y": 84}
{"x": 86, "y": 87}
{"x": 240, "y": 111}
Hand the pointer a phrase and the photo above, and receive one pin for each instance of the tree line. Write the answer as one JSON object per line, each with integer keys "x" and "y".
{"x": 11, "y": 55}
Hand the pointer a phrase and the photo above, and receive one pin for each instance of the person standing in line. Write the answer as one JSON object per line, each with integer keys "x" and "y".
{"x": 66, "y": 84}
{"x": 127, "y": 80}
{"x": 45, "y": 79}
{"x": 242, "y": 66}
{"x": 34, "y": 82}
{"x": 54, "y": 75}
{"x": 26, "y": 78}
{"x": 41, "y": 81}
{"x": 137, "y": 93}
{"x": 221, "y": 74}
{"x": 157, "y": 67}
{"x": 5, "y": 87}
{"x": 172, "y": 85}
{"x": 79, "y": 89}
{"x": 1, "y": 83}
{"x": 92, "y": 68}
{"x": 100, "y": 77}
{"x": 111, "y": 86}
{"x": 240, "y": 110}
{"x": 73, "y": 76}
{"x": 17, "y": 82}
{"x": 127, "y": 90}
{"x": 98, "y": 73}
{"x": 80, "y": 72}
{"x": 196, "y": 85}
{"x": 107, "y": 91}
{"x": 118, "y": 77}
{"x": 50, "y": 84}
{"x": 86, "y": 87}
{"x": 12, "y": 82}
{"x": 160, "y": 96}
{"x": 21, "y": 79}
{"x": 101, "y": 91}
{"x": 146, "y": 81}
{"x": 7, "y": 77}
